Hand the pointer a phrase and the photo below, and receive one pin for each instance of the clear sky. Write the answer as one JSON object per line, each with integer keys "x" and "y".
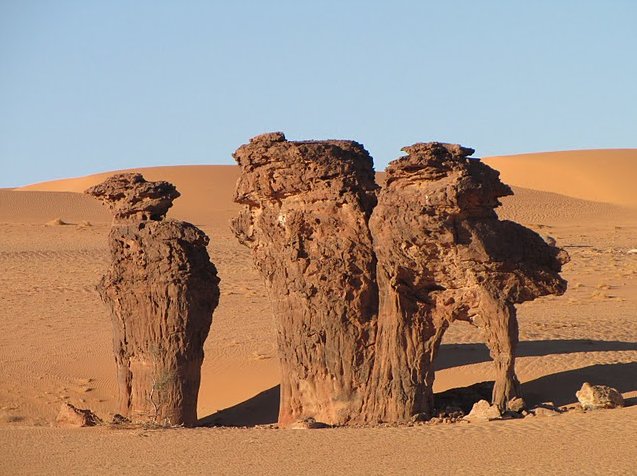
{"x": 88, "y": 86}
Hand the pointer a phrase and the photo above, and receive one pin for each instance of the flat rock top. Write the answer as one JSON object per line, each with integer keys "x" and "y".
{"x": 275, "y": 168}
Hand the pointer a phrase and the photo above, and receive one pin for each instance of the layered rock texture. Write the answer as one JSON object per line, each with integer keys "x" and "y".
{"x": 443, "y": 255}
{"x": 162, "y": 290}
{"x": 363, "y": 288}
{"x": 305, "y": 217}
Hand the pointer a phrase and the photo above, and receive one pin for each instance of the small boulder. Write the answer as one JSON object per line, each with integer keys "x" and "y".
{"x": 72, "y": 417}
{"x": 483, "y": 411}
{"x": 516, "y": 405}
{"x": 119, "y": 420}
{"x": 307, "y": 424}
{"x": 546, "y": 412}
{"x": 593, "y": 397}
{"x": 56, "y": 222}
{"x": 420, "y": 417}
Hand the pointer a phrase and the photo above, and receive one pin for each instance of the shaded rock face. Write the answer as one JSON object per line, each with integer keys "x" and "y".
{"x": 162, "y": 290}
{"x": 443, "y": 255}
{"x": 305, "y": 218}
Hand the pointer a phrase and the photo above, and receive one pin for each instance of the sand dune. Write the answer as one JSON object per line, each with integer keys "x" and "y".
{"x": 56, "y": 342}
{"x": 582, "y": 185}
{"x": 211, "y": 178}
{"x": 601, "y": 175}
{"x": 605, "y": 175}
{"x": 205, "y": 189}
{"x": 42, "y": 207}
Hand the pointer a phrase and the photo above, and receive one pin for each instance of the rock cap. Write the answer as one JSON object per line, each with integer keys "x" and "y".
{"x": 453, "y": 180}
{"x": 275, "y": 169}
{"x": 132, "y": 198}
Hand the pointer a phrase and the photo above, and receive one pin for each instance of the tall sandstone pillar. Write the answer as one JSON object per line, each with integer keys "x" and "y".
{"x": 305, "y": 218}
{"x": 162, "y": 290}
{"x": 443, "y": 255}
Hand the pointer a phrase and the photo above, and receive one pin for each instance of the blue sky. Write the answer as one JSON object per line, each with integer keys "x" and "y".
{"x": 89, "y": 86}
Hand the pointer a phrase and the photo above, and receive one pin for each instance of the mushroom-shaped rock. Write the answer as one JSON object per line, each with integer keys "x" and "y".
{"x": 443, "y": 254}
{"x": 305, "y": 218}
{"x": 162, "y": 290}
{"x": 131, "y": 197}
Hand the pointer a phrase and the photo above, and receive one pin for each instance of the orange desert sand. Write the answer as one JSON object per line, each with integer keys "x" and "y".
{"x": 55, "y": 344}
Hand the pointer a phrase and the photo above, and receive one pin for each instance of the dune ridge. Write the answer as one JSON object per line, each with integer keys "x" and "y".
{"x": 599, "y": 175}
{"x": 587, "y": 184}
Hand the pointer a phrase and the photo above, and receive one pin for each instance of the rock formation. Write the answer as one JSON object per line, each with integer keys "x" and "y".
{"x": 305, "y": 218}
{"x": 162, "y": 290}
{"x": 483, "y": 411}
{"x": 443, "y": 255}
{"x": 72, "y": 417}
{"x": 594, "y": 397}
{"x": 433, "y": 249}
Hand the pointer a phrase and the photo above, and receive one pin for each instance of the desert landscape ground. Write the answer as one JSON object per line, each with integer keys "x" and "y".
{"x": 56, "y": 344}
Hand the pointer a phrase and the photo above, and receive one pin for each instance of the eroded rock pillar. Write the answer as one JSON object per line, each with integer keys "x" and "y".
{"x": 305, "y": 218}
{"x": 162, "y": 290}
{"x": 443, "y": 255}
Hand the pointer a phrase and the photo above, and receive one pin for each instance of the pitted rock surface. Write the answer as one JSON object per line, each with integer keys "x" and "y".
{"x": 131, "y": 197}
{"x": 162, "y": 290}
{"x": 443, "y": 255}
{"x": 594, "y": 397}
{"x": 437, "y": 253}
{"x": 306, "y": 208}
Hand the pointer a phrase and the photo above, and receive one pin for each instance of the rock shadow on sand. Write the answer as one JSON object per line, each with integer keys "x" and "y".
{"x": 457, "y": 355}
{"x": 560, "y": 387}
{"x": 262, "y": 409}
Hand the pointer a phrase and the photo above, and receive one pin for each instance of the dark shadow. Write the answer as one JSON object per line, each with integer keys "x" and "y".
{"x": 560, "y": 388}
{"x": 456, "y": 355}
{"x": 464, "y": 397}
{"x": 262, "y": 409}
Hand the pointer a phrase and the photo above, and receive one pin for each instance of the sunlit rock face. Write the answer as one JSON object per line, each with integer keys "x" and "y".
{"x": 305, "y": 218}
{"x": 364, "y": 282}
{"x": 162, "y": 290}
{"x": 443, "y": 255}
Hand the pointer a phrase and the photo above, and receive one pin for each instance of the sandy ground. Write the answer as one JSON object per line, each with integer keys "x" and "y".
{"x": 56, "y": 343}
